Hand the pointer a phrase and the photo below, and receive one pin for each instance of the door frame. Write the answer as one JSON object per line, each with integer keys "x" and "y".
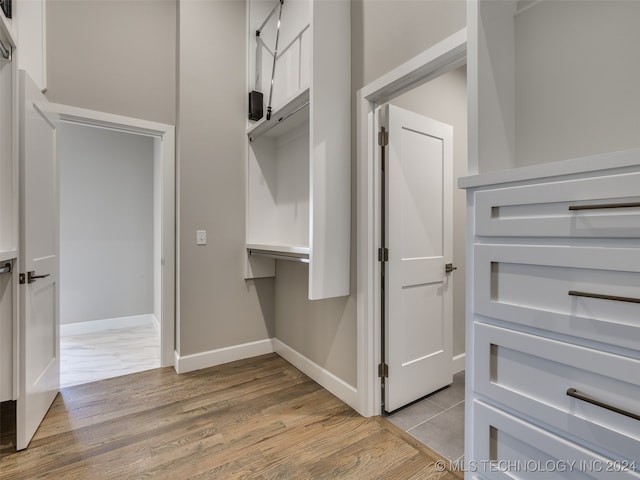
{"x": 443, "y": 57}
{"x": 164, "y": 147}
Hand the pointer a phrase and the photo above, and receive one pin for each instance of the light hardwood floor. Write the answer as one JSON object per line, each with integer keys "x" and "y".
{"x": 257, "y": 419}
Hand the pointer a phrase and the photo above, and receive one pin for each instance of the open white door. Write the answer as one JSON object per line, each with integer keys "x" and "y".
{"x": 39, "y": 359}
{"x": 418, "y": 236}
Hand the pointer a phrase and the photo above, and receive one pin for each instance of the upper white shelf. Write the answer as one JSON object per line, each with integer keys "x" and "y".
{"x": 293, "y": 113}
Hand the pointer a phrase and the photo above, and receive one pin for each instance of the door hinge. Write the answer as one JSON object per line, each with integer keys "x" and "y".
{"x": 383, "y": 370}
{"x": 383, "y": 137}
{"x": 383, "y": 254}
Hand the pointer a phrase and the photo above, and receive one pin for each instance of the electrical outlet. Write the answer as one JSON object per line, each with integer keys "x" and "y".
{"x": 201, "y": 237}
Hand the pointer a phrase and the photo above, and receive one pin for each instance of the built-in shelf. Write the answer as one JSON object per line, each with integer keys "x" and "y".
{"x": 6, "y": 255}
{"x": 292, "y": 114}
{"x": 8, "y": 151}
{"x": 299, "y": 161}
{"x": 279, "y": 252}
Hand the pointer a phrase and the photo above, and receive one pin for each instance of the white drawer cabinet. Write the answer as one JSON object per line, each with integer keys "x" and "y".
{"x": 514, "y": 448}
{"x": 549, "y": 287}
{"x": 553, "y": 331}
{"x": 591, "y": 207}
{"x": 535, "y": 375}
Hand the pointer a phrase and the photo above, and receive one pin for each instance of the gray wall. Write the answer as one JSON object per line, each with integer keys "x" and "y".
{"x": 121, "y": 57}
{"x": 577, "y": 78}
{"x": 445, "y": 99}
{"x": 218, "y": 307}
{"x": 387, "y": 33}
{"x": 106, "y": 224}
{"x": 115, "y": 56}
{"x": 384, "y": 34}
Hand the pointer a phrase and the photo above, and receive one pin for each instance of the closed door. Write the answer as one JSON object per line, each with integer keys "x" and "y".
{"x": 39, "y": 367}
{"x": 418, "y": 238}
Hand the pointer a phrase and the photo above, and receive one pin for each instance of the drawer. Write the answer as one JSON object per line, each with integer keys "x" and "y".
{"x": 592, "y": 207}
{"x": 530, "y": 285}
{"x": 508, "y": 447}
{"x": 534, "y": 374}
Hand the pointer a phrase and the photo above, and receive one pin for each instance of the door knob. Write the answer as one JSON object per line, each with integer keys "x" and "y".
{"x": 448, "y": 268}
{"x": 32, "y": 277}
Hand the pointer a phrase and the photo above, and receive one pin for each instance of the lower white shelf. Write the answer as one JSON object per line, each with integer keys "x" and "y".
{"x": 279, "y": 252}
{"x": 6, "y": 255}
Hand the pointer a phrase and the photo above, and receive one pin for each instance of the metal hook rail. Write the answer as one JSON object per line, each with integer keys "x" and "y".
{"x": 292, "y": 257}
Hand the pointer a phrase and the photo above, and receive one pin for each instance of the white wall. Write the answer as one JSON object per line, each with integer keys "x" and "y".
{"x": 445, "y": 99}
{"x": 106, "y": 224}
{"x": 577, "y": 78}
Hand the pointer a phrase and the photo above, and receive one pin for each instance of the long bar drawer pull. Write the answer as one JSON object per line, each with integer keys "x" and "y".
{"x": 575, "y": 293}
{"x": 572, "y": 392}
{"x": 604, "y": 205}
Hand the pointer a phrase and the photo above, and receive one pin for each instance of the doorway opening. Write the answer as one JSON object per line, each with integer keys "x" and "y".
{"x": 422, "y": 85}
{"x": 117, "y": 261}
{"x": 109, "y": 323}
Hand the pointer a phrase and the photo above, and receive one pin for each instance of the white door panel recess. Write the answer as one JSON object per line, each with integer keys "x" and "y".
{"x": 418, "y": 236}
{"x": 39, "y": 377}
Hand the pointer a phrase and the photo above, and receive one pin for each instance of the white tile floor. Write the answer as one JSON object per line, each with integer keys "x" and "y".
{"x": 111, "y": 353}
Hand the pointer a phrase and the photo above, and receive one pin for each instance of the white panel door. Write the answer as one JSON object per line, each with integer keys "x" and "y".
{"x": 418, "y": 297}
{"x": 39, "y": 364}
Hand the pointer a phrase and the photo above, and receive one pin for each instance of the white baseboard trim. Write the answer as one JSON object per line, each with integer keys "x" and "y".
{"x": 337, "y": 386}
{"x": 458, "y": 363}
{"x": 93, "y": 326}
{"x": 345, "y": 392}
{"x": 189, "y": 363}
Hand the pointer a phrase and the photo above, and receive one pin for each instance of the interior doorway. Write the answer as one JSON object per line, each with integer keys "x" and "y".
{"x": 117, "y": 244}
{"x": 109, "y": 244}
{"x": 425, "y": 71}
{"x": 437, "y": 419}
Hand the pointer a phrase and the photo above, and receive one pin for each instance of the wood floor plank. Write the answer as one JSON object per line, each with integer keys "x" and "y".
{"x": 257, "y": 418}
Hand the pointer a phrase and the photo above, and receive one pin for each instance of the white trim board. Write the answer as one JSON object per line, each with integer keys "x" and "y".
{"x": 197, "y": 361}
{"x": 600, "y": 164}
{"x": 445, "y": 56}
{"x": 93, "y": 326}
{"x": 458, "y": 362}
{"x": 341, "y": 389}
